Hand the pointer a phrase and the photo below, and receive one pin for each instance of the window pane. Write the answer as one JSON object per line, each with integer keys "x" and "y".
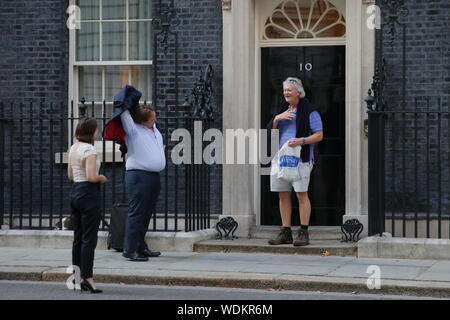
{"x": 336, "y": 31}
{"x": 88, "y": 42}
{"x": 89, "y": 9}
{"x": 98, "y": 115}
{"x": 90, "y": 83}
{"x": 140, "y": 40}
{"x": 114, "y": 41}
{"x": 114, "y": 9}
{"x": 140, "y": 9}
{"x": 141, "y": 79}
{"x": 319, "y": 8}
{"x": 116, "y": 77}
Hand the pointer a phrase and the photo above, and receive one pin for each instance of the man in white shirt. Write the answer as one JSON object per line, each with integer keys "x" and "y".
{"x": 145, "y": 159}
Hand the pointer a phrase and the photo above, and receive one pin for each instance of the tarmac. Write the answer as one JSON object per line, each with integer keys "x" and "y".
{"x": 270, "y": 271}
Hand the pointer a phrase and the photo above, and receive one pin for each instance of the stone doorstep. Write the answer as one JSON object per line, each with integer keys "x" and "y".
{"x": 241, "y": 245}
{"x": 250, "y": 281}
{"x": 160, "y": 241}
{"x": 315, "y": 232}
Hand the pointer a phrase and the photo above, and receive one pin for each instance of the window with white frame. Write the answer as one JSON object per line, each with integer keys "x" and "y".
{"x": 111, "y": 47}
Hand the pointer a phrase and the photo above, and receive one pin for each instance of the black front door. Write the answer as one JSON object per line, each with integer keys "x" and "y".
{"x": 322, "y": 71}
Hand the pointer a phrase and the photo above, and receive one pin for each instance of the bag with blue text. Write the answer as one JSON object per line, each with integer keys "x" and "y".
{"x": 288, "y": 162}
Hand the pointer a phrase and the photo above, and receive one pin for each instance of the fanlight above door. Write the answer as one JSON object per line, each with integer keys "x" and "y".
{"x": 305, "y": 19}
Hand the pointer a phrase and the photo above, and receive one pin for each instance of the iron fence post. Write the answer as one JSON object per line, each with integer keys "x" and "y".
{"x": 2, "y": 163}
{"x": 376, "y": 173}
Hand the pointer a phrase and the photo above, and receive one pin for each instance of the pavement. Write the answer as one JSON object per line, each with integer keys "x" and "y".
{"x": 327, "y": 273}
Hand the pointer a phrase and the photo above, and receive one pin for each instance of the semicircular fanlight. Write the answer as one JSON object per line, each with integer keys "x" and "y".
{"x": 305, "y": 19}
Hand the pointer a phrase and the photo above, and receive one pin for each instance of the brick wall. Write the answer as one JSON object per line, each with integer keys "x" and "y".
{"x": 427, "y": 85}
{"x": 34, "y": 51}
{"x": 34, "y": 67}
{"x": 198, "y": 31}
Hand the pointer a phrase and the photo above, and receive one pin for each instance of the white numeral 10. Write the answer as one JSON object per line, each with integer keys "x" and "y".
{"x": 308, "y": 67}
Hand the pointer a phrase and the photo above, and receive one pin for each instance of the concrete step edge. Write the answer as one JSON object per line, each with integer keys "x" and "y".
{"x": 307, "y": 250}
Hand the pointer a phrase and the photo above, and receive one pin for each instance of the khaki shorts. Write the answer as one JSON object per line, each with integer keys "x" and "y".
{"x": 280, "y": 185}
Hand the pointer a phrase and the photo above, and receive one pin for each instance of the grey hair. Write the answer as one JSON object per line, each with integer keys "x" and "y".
{"x": 297, "y": 83}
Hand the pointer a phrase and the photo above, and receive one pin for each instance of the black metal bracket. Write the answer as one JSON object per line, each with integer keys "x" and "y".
{"x": 396, "y": 10}
{"x": 351, "y": 230}
{"x": 377, "y": 102}
{"x": 165, "y": 19}
{"x": 82, "y": 108}
{"x": 200, "y": 104}
{"x": 228, "y": 226}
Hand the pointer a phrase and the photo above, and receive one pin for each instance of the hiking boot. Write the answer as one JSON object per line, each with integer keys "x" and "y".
{"x": 302, "y": 238}
{"x": 284, "y": 237}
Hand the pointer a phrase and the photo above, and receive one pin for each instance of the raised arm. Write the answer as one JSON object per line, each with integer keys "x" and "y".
{"x": 128, "y": 124}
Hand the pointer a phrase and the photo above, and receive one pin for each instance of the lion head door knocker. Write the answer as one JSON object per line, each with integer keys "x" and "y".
{"x": 228, "y": 225}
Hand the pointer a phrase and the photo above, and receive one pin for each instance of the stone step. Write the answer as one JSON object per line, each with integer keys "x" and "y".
{"x": 315, "y": 233}
{"x": 245, "y": 245}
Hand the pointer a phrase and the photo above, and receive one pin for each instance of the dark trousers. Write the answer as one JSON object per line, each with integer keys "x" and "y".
{"x": 86, "y": 215}
{"x": 143, "y": 190}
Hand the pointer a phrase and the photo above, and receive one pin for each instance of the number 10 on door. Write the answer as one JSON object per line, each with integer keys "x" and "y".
{"x": 307, "y": 66}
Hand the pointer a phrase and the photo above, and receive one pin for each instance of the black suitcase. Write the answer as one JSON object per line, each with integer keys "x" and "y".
{"x": 116, "y": 234}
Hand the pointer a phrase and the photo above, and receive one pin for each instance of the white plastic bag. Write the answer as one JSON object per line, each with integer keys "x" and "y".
{"x": 288, "y": 163}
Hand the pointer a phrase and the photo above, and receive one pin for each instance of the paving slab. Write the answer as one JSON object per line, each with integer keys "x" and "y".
{"x": 290, "y": 269}
{"x": 31, "y": 253}
{"x": 233, "y": 266}
{"x": 436, "y": 276}
{"x": 239, "y": 270}
{"x": 38, "y": 263}
{"x": 294, "y": 259}
{"x": 439, "y": 271}
{"x": 386, "y": 271}
{"x": 395, "y": 262}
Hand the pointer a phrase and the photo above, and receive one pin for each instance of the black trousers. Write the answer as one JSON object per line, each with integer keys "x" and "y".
{"x": 143, "y": 190}
{"x": 86, "y": 216}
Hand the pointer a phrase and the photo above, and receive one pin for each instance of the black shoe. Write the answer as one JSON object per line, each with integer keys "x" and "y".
{"x": 284, "y": 237}
{"x": 125, "y": 254}
{"x": 302, "y": 238}
{"x": 86, "y": 286}
{"x": 149, "y": 253}
{"x": 135, "y": 256}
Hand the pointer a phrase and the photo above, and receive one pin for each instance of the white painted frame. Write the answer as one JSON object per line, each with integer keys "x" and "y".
{"x": 259, "y": 43}
{"x": 302, "y": 27}
{"x": 73, "y": 89}
{"x": 241, "y": 103}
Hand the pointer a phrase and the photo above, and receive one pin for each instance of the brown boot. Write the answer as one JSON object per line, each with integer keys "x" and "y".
{"x": 284, "y": 237}
{"x": 302, "y": 238}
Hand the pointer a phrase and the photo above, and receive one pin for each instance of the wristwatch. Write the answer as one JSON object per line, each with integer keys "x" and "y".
{"x": 304, "y": 141}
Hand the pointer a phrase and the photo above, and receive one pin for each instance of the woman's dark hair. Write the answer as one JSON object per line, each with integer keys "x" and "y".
{"x": 85, "y": 130}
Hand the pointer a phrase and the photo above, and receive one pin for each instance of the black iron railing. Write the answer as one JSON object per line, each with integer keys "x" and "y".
{"x": 409, "y": 141}
{"x": 409, "y": 170}
{"x": 34, "y": 188}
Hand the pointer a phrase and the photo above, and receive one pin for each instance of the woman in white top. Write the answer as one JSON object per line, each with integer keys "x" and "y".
{"x": 84, "y": 164}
